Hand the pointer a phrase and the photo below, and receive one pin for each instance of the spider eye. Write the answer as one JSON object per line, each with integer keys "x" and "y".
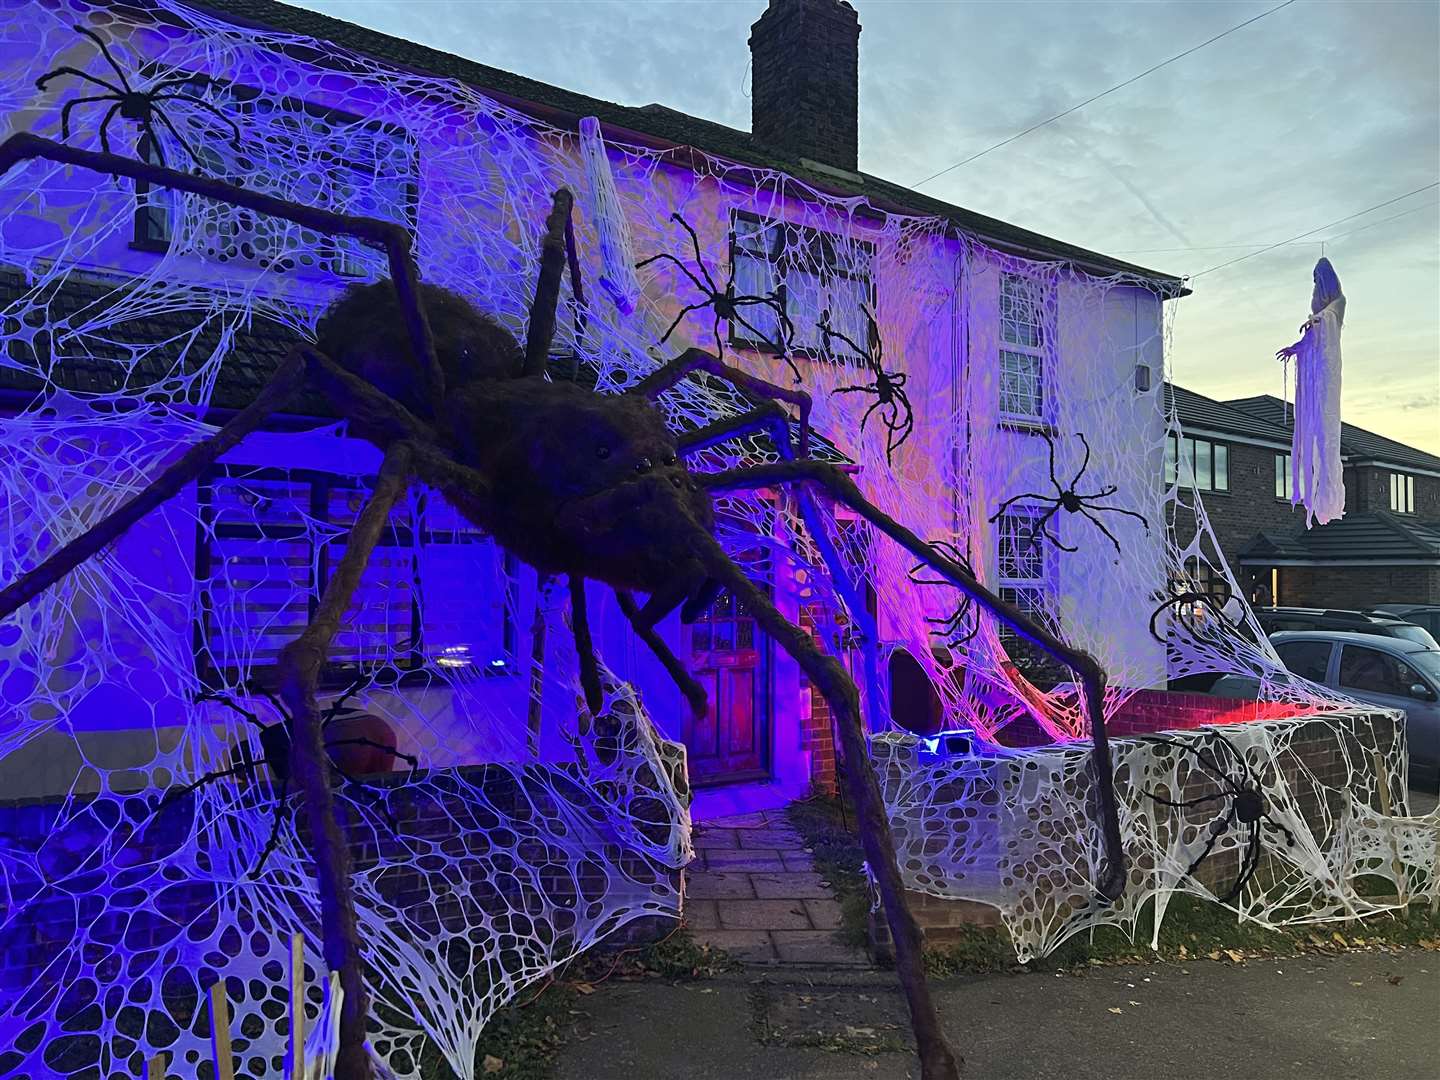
{"x": 602, "y": 451}
{"x": 669, "y": 460}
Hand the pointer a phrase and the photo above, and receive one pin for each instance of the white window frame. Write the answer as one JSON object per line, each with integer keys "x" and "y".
{"x": 1283, "y": 479}
{"x": 1402, "y": 493}
{"x": 1026, "y": 577}
{"x": 1024, "y": 352}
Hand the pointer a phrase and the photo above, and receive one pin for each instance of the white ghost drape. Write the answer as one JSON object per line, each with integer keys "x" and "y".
{"x": 1317, "y": 479}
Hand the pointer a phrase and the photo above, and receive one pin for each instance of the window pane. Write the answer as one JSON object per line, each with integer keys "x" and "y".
{"x": 1222, "y": 467}
{"x": 755, "y": 276}
{"x": 1172, "y": 464}
{"x": 1409, "y": 494}
{"x": 1204, "y": 478}
{"x": 1282, "y": 476}
{"x": 1187, "y": 460}
{"x": 1021, "y": 388}
{"x": 1367, "y": 669}
{"x": 1308, "y": 659}
{"x": 1020, "y": 557}
{"x": 1020, "y": 312}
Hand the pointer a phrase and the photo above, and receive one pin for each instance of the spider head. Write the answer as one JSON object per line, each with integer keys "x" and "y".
{"x": 135, "y": 106}
{"x": 1070, "y": 501}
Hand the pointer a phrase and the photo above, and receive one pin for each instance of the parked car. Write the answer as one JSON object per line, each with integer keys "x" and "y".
{"x": 1391, "y": 671}
{"x": 1426, "y": 615}
{"x": 1275, "y": 619}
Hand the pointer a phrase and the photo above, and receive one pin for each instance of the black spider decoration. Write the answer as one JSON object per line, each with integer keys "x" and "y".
{"x": 960, "y": 625}
{"x": 275, "y": 751}
{"x": 141, "y": 105}
{"x": 888, "y": 387}
{"x": 1247, "y": 808}
{"x": 1186, "y": 605}
{"x": 1069, "y": 500}
{"x": 726, "y": 303}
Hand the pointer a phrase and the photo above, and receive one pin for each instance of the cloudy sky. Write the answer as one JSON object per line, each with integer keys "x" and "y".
{"x": 1313, "y": 113}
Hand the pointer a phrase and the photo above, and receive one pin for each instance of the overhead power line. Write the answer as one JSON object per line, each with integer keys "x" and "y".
{"x": 1103, "y": 93}
{"x": 1321, "y": 228}
{"x": 1260, "y": 243}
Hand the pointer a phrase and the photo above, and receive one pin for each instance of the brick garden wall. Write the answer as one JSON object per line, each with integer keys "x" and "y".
{"x": 1359, "y": 586}
{"x": 1318, "y": 747}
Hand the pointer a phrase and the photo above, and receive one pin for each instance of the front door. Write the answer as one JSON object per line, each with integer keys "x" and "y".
{"x": 729, "y": 656}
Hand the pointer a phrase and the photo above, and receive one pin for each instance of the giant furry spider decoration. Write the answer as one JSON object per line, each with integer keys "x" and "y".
{"x": 1247, "y": 808}
{"x": 960, "y": 625}
{"x": 888, "y": 387}
{"x": 1071, "y": 501}
{"x": 275, "y": 754}
{"x": 725, "y": 303}
{"x": 574, "y": 482}
{"x": 141, "y": 105}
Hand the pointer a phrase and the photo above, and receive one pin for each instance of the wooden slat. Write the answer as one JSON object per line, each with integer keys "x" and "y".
{"x": 220, "y": 1049}
{"x": 297, "y": 1007}
{"x": 155, "y": 1067}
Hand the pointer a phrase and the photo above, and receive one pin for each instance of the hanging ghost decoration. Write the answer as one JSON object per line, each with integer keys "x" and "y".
{"x": 1316, "y": 476}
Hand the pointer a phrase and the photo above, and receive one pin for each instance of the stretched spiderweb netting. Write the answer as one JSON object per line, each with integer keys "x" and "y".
{"x": 520, "y": 836}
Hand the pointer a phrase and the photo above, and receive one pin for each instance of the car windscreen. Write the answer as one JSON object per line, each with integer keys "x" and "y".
{"x": 1417, "y": 634}
{"x": 1428, "y": 662}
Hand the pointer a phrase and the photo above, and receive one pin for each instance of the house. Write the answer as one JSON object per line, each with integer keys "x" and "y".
{"x": 1386, "y": 548}
{"x": 1004, "y": 336}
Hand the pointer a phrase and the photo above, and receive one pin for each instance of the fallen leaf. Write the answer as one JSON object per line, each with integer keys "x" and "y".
{"x": 1395, "y": 980}
{"x": 1134, "y": 1003}
{"x": 584, "y": 988}
{"x": 492, "y": 1064}
{"x": 1235, "y": 956}
{"x": 1117, "y": 1012}
{"x": 1354, "y": 983}
{"x": 1338, "y": 939}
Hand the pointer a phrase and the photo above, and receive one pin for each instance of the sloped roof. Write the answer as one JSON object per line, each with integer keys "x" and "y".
{"x": 654, "y": 122}
{"x": 1197, "y": 411}
{"x": 1378, "y": 537}
{"x": 1356, "y": 443}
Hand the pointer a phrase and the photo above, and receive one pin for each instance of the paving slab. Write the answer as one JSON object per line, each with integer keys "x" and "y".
{"x": 756, "y": 860}
{"x": 791, "y": 886}
{"x": 701, "y": 914}
{"x": 824, "y": 914}
{"x": 718, "y": 885}
{"x": 747, "y": 946}
{"x": 764, "y": 915}
{"x": 815, "y": 947}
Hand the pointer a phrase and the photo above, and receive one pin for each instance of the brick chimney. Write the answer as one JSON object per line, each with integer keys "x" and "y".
{"x": 805, "y": 80}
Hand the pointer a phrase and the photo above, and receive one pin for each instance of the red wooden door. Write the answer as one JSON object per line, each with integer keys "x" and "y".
{"x": 728, "y": 655}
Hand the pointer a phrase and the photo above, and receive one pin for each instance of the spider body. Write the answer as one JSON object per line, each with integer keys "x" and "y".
{"x": 888, "y": 387}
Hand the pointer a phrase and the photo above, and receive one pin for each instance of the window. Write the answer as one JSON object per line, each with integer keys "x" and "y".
{"x": 1022, "y": 348}
{"x": 811, "y": 273}
{"x": 1308, "y": 659}
{"x": 1023, "y": 563}
{"x": 1375, "y": 672}
{"x": 1402, "y": 493}
{"x": 340, "y": 163}
{"x": 1282, "y": 477}
{"x": 268, "y": 539}
{"x": 1208, "y": 463}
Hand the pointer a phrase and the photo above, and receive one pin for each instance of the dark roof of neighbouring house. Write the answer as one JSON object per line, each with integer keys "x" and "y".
{"x": 1378, "y": 536}
{"x": 1357, "y": 445}
{"x": 1195, "y": 411}
{"x": 651, "y": 123}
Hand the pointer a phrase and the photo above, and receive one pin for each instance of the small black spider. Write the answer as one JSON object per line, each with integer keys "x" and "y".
{"x": 888, "y": 387}
{"x": 1187, "y": 605}
{"x": 275, "y": 751}
{"x": 141, "y": 105}
{"x": 960, "y": 625}
{"x": 1069, "y": 500}
{"x": 1238, "y": 783}
{"x": 726, "y": 304}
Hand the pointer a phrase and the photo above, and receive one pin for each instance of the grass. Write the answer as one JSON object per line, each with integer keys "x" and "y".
{"x": 523, "y": 1039}
{"x": 1192, "y": 929}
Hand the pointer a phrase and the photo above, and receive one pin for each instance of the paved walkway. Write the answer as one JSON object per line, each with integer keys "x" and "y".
{"x": 753, "y": 891}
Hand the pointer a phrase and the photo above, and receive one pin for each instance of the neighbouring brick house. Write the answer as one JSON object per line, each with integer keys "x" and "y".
{"x": 1386, "y": 549}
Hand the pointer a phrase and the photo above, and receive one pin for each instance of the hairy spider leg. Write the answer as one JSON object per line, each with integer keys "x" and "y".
{"x": 585, "y": 649}
{"x": 105, "y": 52}
{"x": 1101, "y": 526}
{"x": 193, "y": 100}
{"x": 841, "y": 488}
{"x": 44, "y": 80}
{"x": 69, "y": 105}
{"x": 277, "y": 818}
{"x": 170, "y": 127}
{"x": 298, "y": 671}
{"x": 1189, "y": 597}
{"x": 665, "y": 256}
{"x": 540, "y": 330}
{"x": 1218, "y": 828}
{"x": 1085, "y": 464}
{"x": 711, "y": 287}
{"x": 786, "y": 328}
{"x": 1249, "y": 863}
{"x": 679, "y": 674}
{"x": 680, "y": 318}
{"x": 358, "y": 740}
{"x": 828, "y": 675}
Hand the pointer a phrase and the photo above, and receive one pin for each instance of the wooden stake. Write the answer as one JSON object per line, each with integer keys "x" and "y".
{"x": 220, "y": 1033}
{"x": 297, "y": 1007}
{"x": 155, "y": 1068}
{"x": 1382, "y": 782}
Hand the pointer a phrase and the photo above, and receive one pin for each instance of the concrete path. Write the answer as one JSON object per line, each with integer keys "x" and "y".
{"x": 1357, "y": 1016}
{"x": 754, "y": 892}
